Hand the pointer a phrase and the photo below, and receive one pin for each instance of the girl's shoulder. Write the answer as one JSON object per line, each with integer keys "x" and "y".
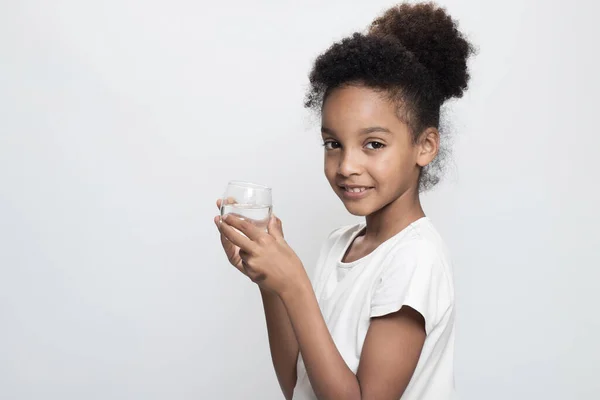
{"x": 419, "y": 237}
{"x": 422, "y": 248}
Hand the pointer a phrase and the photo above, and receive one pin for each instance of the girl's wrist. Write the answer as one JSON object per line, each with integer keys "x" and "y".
{"x": 297, "y": 289}
{"x": 266, "y": 292}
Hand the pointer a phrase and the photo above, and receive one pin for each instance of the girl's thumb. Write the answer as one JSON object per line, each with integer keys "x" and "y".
{"x": 275, "y": 228}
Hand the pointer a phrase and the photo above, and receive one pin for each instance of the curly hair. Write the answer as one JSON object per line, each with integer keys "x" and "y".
{"x": 415, "y": 55}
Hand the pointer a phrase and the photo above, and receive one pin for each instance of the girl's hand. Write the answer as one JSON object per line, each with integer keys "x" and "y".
{"x": 231, "y": 250}
{"x": 266, "y": 258}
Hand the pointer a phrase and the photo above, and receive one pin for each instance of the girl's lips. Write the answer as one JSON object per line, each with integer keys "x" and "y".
{"x": 355, "y": 195}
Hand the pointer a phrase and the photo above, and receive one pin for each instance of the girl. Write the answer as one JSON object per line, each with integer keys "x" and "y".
{"x": 377, "y": 320}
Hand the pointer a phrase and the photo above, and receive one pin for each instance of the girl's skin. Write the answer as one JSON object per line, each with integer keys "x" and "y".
{"x": 366, "y": 145}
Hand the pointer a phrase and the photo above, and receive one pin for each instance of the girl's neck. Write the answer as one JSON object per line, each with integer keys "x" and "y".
{"x": 393, "y": 218}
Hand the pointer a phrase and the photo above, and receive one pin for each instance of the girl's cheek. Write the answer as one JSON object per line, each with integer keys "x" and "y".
{"x": 330, "y": 168}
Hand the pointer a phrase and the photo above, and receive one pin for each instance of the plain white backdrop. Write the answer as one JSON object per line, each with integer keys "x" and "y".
{"x": 122, "y": 121}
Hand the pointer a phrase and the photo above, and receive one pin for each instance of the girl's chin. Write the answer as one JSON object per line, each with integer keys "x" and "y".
{"x": 357, "y": 210}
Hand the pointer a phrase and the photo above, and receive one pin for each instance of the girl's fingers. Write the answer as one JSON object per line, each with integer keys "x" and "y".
{"x": 235, "y": 237}
{"x": 244, "y": 255}
{"x": 229, "y": 200}
{"x": 244, "y": 226}
{"x": 275, "y": 228}
{"x": 227, "y": 244}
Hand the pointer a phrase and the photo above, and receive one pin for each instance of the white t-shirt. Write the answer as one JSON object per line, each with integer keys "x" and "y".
{"x": 411, "y": 268}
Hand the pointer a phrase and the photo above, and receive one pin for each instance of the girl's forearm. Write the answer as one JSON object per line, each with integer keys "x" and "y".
{"x": 282, "y": 342}
{"x": 327, "y": 371}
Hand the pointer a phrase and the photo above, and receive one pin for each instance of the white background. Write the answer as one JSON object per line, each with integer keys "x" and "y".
{"x": 122, "y": 121}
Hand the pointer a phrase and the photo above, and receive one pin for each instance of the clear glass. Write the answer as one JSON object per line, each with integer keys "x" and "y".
{"x": 248, "y": 201}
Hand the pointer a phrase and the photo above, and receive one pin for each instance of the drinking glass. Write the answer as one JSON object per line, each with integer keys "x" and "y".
{"x": 248, "y": 201}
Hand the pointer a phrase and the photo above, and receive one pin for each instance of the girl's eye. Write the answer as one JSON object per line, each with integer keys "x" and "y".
{"x": 376, "y": 145}
{"x": 330, "y": 145}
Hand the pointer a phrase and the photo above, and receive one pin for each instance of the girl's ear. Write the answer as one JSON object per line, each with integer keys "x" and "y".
{"x": 428, "y": 146}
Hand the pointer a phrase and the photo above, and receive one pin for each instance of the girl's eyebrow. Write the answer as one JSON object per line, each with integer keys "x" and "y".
{"x": 373, "y": 129}
{"x": 364, "y": 131}
{"x": 327, "y": 131}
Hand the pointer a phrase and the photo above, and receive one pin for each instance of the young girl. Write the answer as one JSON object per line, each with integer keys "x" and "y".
{"x": 377, "y": 320}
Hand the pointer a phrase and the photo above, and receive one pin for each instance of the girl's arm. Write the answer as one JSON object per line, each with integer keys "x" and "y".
{"x": 389, "y": 355}
{"x": 282, "y": 342}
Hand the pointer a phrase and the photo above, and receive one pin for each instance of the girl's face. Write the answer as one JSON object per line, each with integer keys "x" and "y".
{"x": 370, "y": 157}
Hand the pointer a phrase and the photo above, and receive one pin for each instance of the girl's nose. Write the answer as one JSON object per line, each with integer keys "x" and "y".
{"x": 349, "y": 164}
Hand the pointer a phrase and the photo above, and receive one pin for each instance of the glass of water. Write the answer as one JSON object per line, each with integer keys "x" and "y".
{"x": 248, "y": 201}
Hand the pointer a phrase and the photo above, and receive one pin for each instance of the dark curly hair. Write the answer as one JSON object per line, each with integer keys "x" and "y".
{"x": 414, "y": 54}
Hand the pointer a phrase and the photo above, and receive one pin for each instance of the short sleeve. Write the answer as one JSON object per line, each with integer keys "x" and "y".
{"x": 417, "y": 276}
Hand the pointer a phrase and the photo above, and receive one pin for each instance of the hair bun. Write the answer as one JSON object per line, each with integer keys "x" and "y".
{"x": 428, "y": 32}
